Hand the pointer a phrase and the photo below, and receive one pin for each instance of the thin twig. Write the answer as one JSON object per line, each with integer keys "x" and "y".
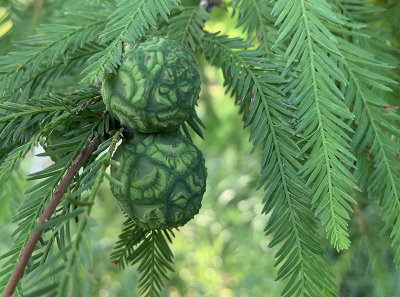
{"x": 360, "y": 220}
{"x": 85, "y": 218}
{"x": 48, "y": 212}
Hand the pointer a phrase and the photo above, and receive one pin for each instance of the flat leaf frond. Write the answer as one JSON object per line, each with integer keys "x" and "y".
{"x": 20, "y": 122}
{"x": 56, "y": 265}
{"x": 54, "y": 43}
{"x": 93, "y": 174}
{"x": 313, "y": 53}
{"x": 129, "y": 21}
{"x": 129, "y": 238}
{"x": 38, "y": 195}
{"x": 300, "y": 256}
{"x": 29, "y": 212}
{"x": 255, "y": 18}
{"x": 377, "y": 132}
{"x": 155, "y": 259}
{"x": 186, "y": 26}
{"x": 195, "y": 124}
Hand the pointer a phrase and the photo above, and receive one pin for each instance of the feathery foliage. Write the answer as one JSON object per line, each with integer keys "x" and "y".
{"x": 44, "y": 116}
{"x": 313, "y": 53}
{"x": 375, "y": 119}
{"x": 300, "y": 255}
{"x": 130, "y": 236}
{"x": 255, "y": 18}
{"x": 128, "y": 22}
{"x": 58, "y": 230}
{"x": 150, "y": 250}
{"x": 313, "y": 81}
{"x": 192, "y": 20}
{"x": 154, "y": 259}
{"x": 57, "y": 49}
{"x": 24, "y": 125}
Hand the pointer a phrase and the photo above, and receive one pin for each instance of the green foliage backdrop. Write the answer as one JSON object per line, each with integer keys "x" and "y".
{"x": 315, "y": 83}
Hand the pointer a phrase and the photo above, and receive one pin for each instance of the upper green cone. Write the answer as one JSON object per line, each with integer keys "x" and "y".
{"x": 156, "y": 86}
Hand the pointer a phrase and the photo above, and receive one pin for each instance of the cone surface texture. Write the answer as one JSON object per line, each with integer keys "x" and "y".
{"x": 163, "y": 179}
{"x": 156, "y": 86}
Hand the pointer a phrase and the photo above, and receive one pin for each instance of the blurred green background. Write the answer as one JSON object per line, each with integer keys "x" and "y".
{"x": 222, "y": 251}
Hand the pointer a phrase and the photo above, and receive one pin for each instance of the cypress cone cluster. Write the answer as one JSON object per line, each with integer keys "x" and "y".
{"x": 162, "y": 174}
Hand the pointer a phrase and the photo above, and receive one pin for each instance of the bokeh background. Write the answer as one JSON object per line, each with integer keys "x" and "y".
{"x": 223, "y": 251}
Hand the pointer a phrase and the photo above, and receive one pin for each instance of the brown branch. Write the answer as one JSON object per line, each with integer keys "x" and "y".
{"x": 48, "y": 212}
{"x": 360, "y": 220}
